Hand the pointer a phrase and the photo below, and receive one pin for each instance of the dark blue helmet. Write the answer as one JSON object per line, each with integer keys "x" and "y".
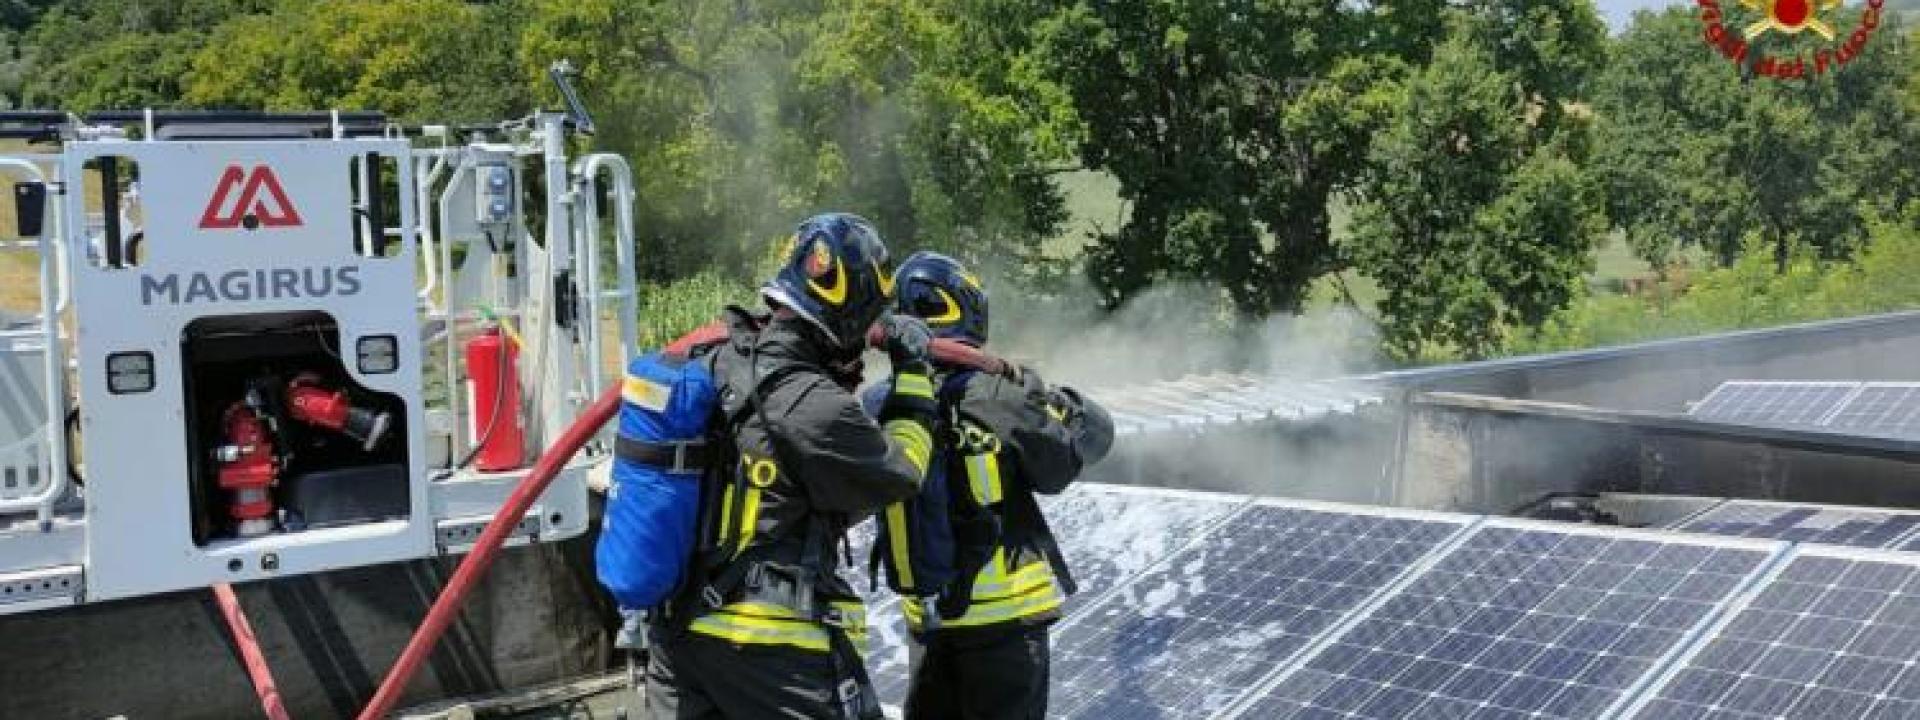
{"x": 939, "y": 290}
{"x": 837, "y": 276}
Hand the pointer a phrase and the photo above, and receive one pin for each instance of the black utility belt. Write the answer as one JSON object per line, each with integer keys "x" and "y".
{"x": 675, "y": 457}
{"x": 782, "y": 585}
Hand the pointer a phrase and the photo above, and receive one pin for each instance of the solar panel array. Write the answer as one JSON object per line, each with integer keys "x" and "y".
{"x": 1834, "y": 635}
{"x": 1108, "y": 535}
{"x": 1883, "y": 409}
{"x": 1887, "y": 409}
{"x": 1188, "y": 637}
{"x": 1202, "y": 401}
{"x": 1832, "y": 525}
{"x": 1518, "y": 622}
{"x": 1774, "y": 403}
{"x": 1202, "y": 606}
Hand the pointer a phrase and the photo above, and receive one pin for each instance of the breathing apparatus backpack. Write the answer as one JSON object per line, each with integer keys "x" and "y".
{"x": 649, "y": 531}
{"x": 671, "y": 412}
{"x": 933, "y": 545}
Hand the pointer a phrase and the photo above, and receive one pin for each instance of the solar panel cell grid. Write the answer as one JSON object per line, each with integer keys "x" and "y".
{"x": 1110, "y": 535}
{"x": 1891, "y": 410}
{"x": 1831, "y": 637}
{"x": 1774, "y": 403}
{"x": 1192, "y": 635}
{"x": 1516, "y": 623}
{"x": 1862, "y": 527}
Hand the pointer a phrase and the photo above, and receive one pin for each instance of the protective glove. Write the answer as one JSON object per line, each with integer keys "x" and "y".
{"x": 1014, "y": 371}
{"x": 909, "y": 343}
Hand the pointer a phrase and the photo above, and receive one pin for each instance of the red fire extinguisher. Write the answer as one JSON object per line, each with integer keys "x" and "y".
{"x": 493, "y": 392}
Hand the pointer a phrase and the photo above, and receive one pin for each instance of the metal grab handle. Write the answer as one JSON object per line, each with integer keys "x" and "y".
{"x": 625, "y": 288}
{"x": 423, "y": 196}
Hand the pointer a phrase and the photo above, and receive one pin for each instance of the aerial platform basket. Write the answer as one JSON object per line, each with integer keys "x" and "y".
{"x": 247, "y": 359}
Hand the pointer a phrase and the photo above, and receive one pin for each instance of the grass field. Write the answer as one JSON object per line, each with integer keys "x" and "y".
{"x": 19, "y": 269}
{"x": 1093, "y": 205}
{"x": 19, "y": 282}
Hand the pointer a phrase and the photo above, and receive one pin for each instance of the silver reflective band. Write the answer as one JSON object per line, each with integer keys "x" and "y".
{"x": 130, "y": 372}
{"x": 377, "y": 354}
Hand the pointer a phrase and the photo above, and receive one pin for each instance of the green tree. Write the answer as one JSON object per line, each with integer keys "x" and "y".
{"x": 1472, "y": 221}
{"x": 1549, "y": 49}
{"x": 97, "y": 54}
{"x": 1693, "y": 156}
{"x": 423, "y": 60}
{"x": 1229, "y": 126}
{"x": 750, "y": 116}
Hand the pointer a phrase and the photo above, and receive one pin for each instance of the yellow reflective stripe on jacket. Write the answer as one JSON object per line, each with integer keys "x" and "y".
{"x": 914, "y": 441}
{"x": 749, "y": 630}
{"x": 897, "y": 543}
{"x": 996, "y": 570}
{"x": 911, "y": 384}
{"x": 749, "y": 517}
{"x": 1042, "y": 600}
{"x": 751, "y": 623}
{"x": 854, "y": 612}
{"x": 1036, "y": 595}
{"x": 992, "y": 585}
{"x": 983, "y": 475}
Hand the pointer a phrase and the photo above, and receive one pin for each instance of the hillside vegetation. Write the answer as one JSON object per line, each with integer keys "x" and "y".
{"x": 1477, "y": 177}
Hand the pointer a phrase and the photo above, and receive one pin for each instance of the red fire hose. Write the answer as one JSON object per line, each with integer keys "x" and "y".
{"x": 249, "y": 645}
{"x": 484, "y": 549}
{"x": 481, "y": 556}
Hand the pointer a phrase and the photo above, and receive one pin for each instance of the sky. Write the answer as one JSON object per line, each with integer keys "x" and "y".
{"x": 1618, "y": 12}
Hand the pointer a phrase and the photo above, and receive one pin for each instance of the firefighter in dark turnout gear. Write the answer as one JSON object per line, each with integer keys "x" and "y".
{"x": 1000, "y": 439}
{"x": 764, "y": 627}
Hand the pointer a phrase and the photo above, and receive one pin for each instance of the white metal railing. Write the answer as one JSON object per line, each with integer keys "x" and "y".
{"x": 26, "y": 468}
{"x": 596, "y": 296}
{"x": 448, "y": 291}
{"x": 53, "y": 298}
{"x": 427, "y": 173}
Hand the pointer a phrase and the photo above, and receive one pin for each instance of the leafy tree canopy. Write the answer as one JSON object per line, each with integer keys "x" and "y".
{"x": 1692, "y": 156}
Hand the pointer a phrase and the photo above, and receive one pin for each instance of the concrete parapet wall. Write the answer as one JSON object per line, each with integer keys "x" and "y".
{"x": 1489, "y": 455}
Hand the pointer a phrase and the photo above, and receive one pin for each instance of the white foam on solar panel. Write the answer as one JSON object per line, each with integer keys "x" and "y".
{"x": 1130, "y": 417}
{"x": 1263, "y": 701}
{"x": 1235, "y": 396}
{"x": 1185, "y": 638}
{"x": 1109, "y": 534}
{"x": 1189, "y": 401}
{"x": 1163, "y": 410}
{"x": 1198, "y": 401}
{"x": 1310, "y": 400}
{"x": 1327, "y": 398}
{"x": 1810, "y": 522}
{"x": 1763, "y": 678}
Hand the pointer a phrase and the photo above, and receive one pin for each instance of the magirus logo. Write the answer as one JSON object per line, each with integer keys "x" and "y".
{"x": 250, "y": 285}
{"x": 260, "y": 201}
{"x": 1740, "y": 30}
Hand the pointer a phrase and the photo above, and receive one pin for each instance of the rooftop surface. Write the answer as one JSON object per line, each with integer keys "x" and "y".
{"x": 1220, "y": 606}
